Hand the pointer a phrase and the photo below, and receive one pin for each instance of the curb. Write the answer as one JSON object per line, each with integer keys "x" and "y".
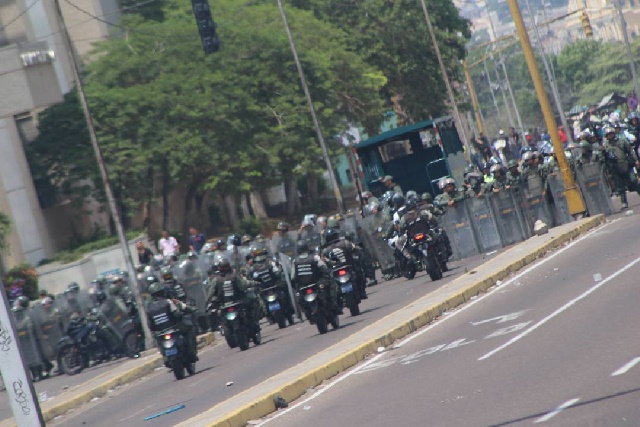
{"x": 294, "y": 382}
{"x": 49, "y": 412}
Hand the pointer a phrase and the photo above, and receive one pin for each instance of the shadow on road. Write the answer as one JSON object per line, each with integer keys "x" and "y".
{"x": 586, "y": 402}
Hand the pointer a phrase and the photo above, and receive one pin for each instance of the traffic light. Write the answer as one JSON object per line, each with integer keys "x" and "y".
{"x": 586, "y": 24}
{"x": 206, "y": 26}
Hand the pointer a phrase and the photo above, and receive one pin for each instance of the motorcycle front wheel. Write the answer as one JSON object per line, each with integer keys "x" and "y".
{"x": 70, "y": 360}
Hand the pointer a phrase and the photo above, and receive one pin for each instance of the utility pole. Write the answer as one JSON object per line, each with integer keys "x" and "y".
{"x": 493, "y": 95}
{"x": 503, "y": 93}
{"x": 574, "y": 197}
{"x": 474, "y": 97}
{"x": 552, "y": 81}
{"x": 316, "y": 123}
{"x": 625, "y": 35}
{"x": 124, "y": 245}
{"x": 445, "y": 77}
{"x": 506, "y": 75}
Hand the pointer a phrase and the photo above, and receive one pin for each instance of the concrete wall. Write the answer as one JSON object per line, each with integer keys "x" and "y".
{"x": 55, "y": 277}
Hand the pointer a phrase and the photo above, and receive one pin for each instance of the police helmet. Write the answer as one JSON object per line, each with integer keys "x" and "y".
{"x": 22, "y": 302}
{"x": 46, "y": 301}
{"x": 496, "y": 168}
{"x": 512, "y": 164}
{"x": 609, "y": 130}
{"x": 528, "y": 156}
{"x": 220, "y": 244}
{"x": 332, "y": 223}
{"x": 167, "y": 273}
{"x": 73, "y": 287}
{"x": 246, "y": 239}
{"x": 411, "y": 204}
{"x": 224, "y": 266}
{"x": 151, "y": 279}
{"x": 411, "y": 194}
{"x": 398, "y": 200}
{"x": 157, "y": 290}
{"x": 114, "y": 289}
{"x": 282, "y": 226}
{"x": 427, "y": 197}
{"x": 331, "y": 236}
{"x": 447, "y": 181}
{"x": 302, "y": 247}
{"x": 585, "y": 144}
{"x": 259, "y": 254}
{"x": 101, "y": 297}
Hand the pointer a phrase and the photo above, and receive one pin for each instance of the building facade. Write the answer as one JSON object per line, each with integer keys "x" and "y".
{"x": 35, "y": 72}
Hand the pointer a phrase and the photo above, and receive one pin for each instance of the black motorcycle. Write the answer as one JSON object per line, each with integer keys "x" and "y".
{"x": 278, "y": 306}
{"x": 315, "y": 300}
{"x": 174, "y": 350}
{"x": 423, "y": 248}
{"x": 237, "y": 327}
{"x": 348, "y": 290}
{"x": 80, "y": 346}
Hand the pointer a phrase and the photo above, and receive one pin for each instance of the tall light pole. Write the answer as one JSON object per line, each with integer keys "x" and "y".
{"x": 111, "y": 201}
{"x": 625, "y": 35}
{"x": 316, "y": 123}
{"x": 474, "y": 96}
{"x": 503, "y": 93}
{"x": 574, "y": 197}
{"x": 445, "y": 77}
{"x": 550, "y": 77}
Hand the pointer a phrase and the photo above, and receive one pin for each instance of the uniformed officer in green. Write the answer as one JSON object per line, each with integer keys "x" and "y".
{"x": 513, "y": 173}
{"x": 620, "y": 158}
{"x": 500, "y": 179}
{"x": 475, "y": 185}
{"x": 531, "y": 166}
{"x": 450, "y": 195}
{"x": 390, "y": 185}
{"x": 587, "y": 154}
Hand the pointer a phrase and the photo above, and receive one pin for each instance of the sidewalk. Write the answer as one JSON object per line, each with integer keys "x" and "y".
{"x": 258, "y": 401}
{"x": 100, "y": 385}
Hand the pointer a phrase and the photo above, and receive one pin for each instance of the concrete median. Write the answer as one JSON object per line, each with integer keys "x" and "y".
{"x": 258, "y": 401}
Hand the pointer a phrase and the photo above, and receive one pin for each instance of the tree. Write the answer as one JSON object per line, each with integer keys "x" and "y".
{"x": 5, "y": 229}
{"x": 392, "y": 36}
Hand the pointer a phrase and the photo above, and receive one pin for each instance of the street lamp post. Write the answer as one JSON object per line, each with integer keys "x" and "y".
{"x": 316, "y": 123}
{"x": 625, "y": 36}
{"x": 572, "y": 192}
{"x": 445, "y": 77}
{"x": 111, "y": 201}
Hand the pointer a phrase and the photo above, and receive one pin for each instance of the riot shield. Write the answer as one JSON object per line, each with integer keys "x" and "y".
{"x": 287, "y": 264}
{"x": 114, "y": 313}
{"x": 48, "y": 322}
{"x": 349, "y": 229}
{"x": 457, "y": 223}
{"x": 27, "y": 337}
{"x": 509, "y": 217}
{"x": 74, "y": 302}
{"x": 188, "y": 273}
{"x": 556, "y": 188}
{"x": 594, "y": 189}
{"x": 285, "y": 244}
{"x": 484, "y": 223}
{"x": 534, "y": 202}
{"x": 372, "y": 229}
{"x": 312, "y": 236}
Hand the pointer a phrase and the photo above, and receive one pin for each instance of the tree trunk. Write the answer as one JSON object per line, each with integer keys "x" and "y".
{"x": 165, "y": 194}
{"x": 312, "y": 188}
{"x": 244, "y": 205}
{"x": 232, "y": 211}
{"x": 257, "y": 205}
{"x": 146, "y": 222}
{"x": 188, "y": 207}
{"x": 293, "y": 201}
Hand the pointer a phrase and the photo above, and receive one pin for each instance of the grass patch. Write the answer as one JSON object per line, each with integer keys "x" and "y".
{"x": 74, "y": 254}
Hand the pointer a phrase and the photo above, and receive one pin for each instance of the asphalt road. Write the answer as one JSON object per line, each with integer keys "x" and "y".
{"x": 557, "y": 344}
{"x": 281, "y": 349}
{"x": 57, "y": 384}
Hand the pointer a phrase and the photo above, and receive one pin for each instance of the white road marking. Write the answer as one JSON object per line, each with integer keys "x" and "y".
{"x": 556, "y": 411}
{"x": 561, "y": 309}
{"x": 146, "y": 408}
{"x": 509, "y": 330}
{"x": 501, "y": 319}
{"x": 437, "y": 322}
{"x": 626, "y": 367}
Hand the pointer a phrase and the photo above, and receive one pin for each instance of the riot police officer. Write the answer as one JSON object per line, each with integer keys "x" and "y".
{"x": 164, "y": 313}
{"x": 450, "y": 195}
{"x": 266, "y": 271}
{"x": 308, "y": 268}
{"x": 347, "y": 252}
{"x": 227, "y": 286}
{"x": 620, "y": 159}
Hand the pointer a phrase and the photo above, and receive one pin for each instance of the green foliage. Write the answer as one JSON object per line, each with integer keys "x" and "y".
{"x": 250, "y": 225}
{"x": 95, "y": 243}
{"x": 5, "y": 229}
{"x": 392, "y": 36}
{"x": 26, "y": 277}
{"x": 61, "y": 158}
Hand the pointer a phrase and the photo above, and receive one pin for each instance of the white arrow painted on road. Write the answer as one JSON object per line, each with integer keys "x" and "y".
{"x": 501, "y": 319}
{"x": 509, "y": 330}
{"x": 626, "y": 367}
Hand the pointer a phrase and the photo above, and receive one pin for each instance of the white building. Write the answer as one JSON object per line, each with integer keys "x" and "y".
{"x": 35, "y": 72}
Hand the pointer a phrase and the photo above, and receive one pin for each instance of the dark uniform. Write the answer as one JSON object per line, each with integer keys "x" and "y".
{"x": 163, "y": 314}
{"x": 308, "y": 269}
{"x": 620, "y": 159}
{"x": 340, "y": 252}
{"x": 228, "y": 287}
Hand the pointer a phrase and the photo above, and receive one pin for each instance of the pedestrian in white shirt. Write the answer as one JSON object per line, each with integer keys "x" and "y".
{"x": 168, "y": 245}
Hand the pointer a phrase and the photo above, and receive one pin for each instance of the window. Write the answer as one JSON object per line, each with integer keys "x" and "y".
{"x": 395, "y": 150}
{"x": 27, "y": 127}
